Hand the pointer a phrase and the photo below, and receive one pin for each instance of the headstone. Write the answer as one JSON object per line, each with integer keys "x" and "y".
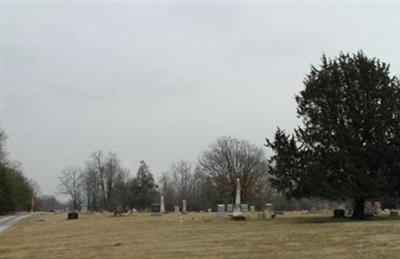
{"x": 253, "y": 208}
{"x": 229, "y": 208}
{"x": 245, "y": 208}
{"x": 184, "y": 210}
{"x": 176, "y": 209}
{"x": 237, "y": 212}
{"x": 339, "y": 213}
{"x": 268, "y": 209}
{"x": 73, "y": 215}
{"x": 220, "y": 209}
{"x": 162, "y": 204}
{"x": 155, "y": 209}
{"x": 209, "y": 210}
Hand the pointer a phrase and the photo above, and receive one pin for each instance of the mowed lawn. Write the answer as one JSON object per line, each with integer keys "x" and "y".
{"x": 201, "y": 235}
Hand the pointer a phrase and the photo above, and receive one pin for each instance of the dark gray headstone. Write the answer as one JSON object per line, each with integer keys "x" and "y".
{"x": 155, "y": 209}
{"x": 339, "y": 214}
{"x": 73, "y": 215}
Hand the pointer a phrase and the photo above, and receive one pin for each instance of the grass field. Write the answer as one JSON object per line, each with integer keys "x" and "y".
{"x": 201, "y": 235}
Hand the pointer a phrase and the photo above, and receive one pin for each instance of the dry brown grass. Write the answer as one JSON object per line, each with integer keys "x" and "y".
{"x": 201, "y": 235}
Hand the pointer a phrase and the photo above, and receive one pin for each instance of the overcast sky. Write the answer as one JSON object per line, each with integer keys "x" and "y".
{"x": 161, "y": 81}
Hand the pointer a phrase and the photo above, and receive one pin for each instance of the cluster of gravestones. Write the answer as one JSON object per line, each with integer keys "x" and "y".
{"x": 157, "y": 209}
{"x": 228, "y": 209}
{"x": 236, "y": 211}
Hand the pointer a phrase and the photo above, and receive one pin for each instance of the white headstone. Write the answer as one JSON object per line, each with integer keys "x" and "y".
{"x": 162, "y": 205}
{"x": 184, "y": 210}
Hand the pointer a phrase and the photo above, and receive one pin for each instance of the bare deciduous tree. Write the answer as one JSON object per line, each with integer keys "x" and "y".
{"x": 97, "y": 163}
{"x": 71, "y": 180}
{"x": 230, "y": 158}
{"x": 103, "y": 179}
{"x": 184, "y": 183}
{"x": 182, "y": 177}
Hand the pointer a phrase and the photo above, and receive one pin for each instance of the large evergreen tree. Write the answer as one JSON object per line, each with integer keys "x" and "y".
{"x": 143, "y": 188}
{"x": 348, "y": 144}
{"x": 16, "y": 190}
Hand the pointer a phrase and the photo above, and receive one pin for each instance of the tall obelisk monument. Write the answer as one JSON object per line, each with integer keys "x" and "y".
{"x": 237, "y": 211}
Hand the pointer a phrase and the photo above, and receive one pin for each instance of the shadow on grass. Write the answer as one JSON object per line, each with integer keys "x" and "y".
{"x": 329, "y": 220}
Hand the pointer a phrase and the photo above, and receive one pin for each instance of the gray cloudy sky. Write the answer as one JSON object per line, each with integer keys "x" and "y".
{"x": 161, "y": 81}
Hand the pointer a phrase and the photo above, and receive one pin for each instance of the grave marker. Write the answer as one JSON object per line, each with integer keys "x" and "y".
{"x": 162, "y": 204}
{"x": 221, "y": 210}
{"x": 237, "y": 212}
{"x": 73, "y": 215}
{"x": 155, "y": 209}
{"x": 184, "y": 210}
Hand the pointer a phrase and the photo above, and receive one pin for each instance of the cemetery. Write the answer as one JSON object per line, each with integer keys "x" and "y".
{"x": 233, "y": 230}
{"x": 199, "y": 129}
{"x": 199, "y": 235}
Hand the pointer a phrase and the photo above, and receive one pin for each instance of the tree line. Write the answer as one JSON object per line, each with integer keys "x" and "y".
{"x": 16, "y": 191}
{"x": 102, "y": 184}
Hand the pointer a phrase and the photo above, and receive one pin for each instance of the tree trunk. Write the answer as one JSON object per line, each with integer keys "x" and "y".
{"x": 358, "y": 208}
{"x": 75, "y": 204}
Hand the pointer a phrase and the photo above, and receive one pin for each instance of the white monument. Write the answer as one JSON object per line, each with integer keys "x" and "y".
{"x": 237, "y": 211}
{"x": 162, "y": 205}
{"x": 184, "y": 210}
